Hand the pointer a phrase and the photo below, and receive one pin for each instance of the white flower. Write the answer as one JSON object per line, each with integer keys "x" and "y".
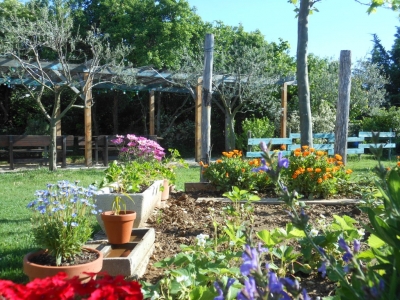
{"x": 182, "y": 278}
{"x": 231, "y": 243}
{"x": 201, "y": 239}
{"x": 361, "y": 231}
{"x": 155, "y": 296}
{"x": 314, "y": 232}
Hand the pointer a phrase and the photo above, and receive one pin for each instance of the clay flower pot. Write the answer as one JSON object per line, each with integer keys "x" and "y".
{"x": 118, "y": 227}
{"x": 34, "y": 270}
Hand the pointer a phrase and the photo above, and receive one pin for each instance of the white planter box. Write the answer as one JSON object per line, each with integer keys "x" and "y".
{"x": 143, "y": 203}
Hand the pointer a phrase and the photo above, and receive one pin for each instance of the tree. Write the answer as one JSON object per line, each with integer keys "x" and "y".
{"x": 50, "y": 35}
{"x": 159, "y": 31}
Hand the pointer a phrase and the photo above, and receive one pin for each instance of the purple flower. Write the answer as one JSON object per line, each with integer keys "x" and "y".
{"x": 305, "y": 295}
{"x": 275, "y": 286}
{"x": 263, "y": 147}
{"x": 356, "y": 246}
{"x": 249, "y": 290}
{"x": 282, "y": 162}
{"x": 250, "y": 260}
{"x": 292, "y": 286}
{"x": 322, "y": 269}
{"x": 220, "y": 292}
{"x": 348, "y": 255}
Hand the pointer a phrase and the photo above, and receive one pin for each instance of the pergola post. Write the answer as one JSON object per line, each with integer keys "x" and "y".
{"x": 151, "y": 112}
{"x": 284, "y": 110}
{"x": 87, "y": 90}
{"x": 197, "y": 111}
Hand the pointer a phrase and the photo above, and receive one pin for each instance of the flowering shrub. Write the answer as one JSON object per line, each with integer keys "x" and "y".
{"x": 313, "y": 174}
{"x": 58, "y": 287}
{"x": 232, "y": 170}
{"x": 133, "y": 147}
{"x": 61, "y": 218}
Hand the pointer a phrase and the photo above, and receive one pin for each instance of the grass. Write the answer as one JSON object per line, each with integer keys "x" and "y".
{"x": 17, "y": 190}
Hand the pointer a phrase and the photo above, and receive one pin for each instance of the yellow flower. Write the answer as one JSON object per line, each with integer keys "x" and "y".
{"x": 328, "y": 169}
{"x": 339, "y": 163}
{"x": 320, "y": 153}
{"x": 348, "y": 171}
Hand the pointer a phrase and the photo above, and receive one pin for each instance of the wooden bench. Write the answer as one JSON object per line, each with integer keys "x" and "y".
{"x": 327, "y": 146}
{"x": 387, "y": 136}
{"x": 274, "y": 142}
{"x": 100, "y": 144}
{"x": 33, "y": 144}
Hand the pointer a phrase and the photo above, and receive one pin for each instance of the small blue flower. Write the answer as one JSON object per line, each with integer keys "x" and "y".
{"x": 282, "y": 162}
{"x": 305, "y": 295}
{"x": 74, "y": 224}
{"x": 322, "y": 269}
{"x": 220, "y": 292}
{"x": 250, "y": 260}
{"x": 74, "y": 215}
{"x": 356, "y": 246}
{"x": 249, "y": 290}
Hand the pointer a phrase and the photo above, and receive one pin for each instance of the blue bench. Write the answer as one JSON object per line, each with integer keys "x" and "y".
{"x": 274, "y": 142}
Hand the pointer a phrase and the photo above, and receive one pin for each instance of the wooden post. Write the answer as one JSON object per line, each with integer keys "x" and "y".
{"x": 343, "y": 104}
{"x": 115, "y": 114}
{"x": 197, "y": 132}
{"x": 284, "y": 110}
{"x": 152, "y": 110}
{"x": 87, "y": 90}
{"x": 206, "y": 102}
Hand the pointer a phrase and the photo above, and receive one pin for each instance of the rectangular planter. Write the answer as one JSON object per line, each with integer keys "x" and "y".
{"x": 143, "y": 203}
{"x": 129, "y": 259}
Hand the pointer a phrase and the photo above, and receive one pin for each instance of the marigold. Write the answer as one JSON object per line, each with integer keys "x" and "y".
{"x": 243, "y": 170}
{"x": 319, "y": 180}
{"x": 283, "y": 147}
{"x": 302, "y": 170}
{"x": 224, "y": 153}
{"x": 218, "y": 161}
{"x": 388, "y": 168}
{"x": 227, "y": 174}
{"x": 325, "y": 176}
{"x": 304, "y": 147}
{"x": 297, "y": 150}
{"x": 339, "y": 163}
{"x": 310, "y": 169}
{"x": 328, "y": 169}
{"x": 398, "y": 163}
{"x": 294, "y": 176}
{"x": 318, "y": 170}
{"x": 349, "y": 171}
{"x": 306, "y": 153}
{"x": 312, "y": 150}
{"x": 320, "y": 153}
{"x": 297, "y": 153}
{"x": 338, "y": 157}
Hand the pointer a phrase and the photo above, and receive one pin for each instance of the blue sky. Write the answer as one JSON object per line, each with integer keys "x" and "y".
{"x": 339, "y": 24}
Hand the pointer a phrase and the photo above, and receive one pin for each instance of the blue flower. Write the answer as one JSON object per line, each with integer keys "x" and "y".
{"x": 275, "y": 286}
{"x": 282, "y": 162}
{"x": 74, "y": 224}
{"x": 250, "y": 260}
{"x": 322, "y": 269}
{"x": 356, "y": 246}
{"x": 305, "y": 295}
{"x": 348, "y": 255}
{"x": 220, "y": 292}
{"x": 249, "y": 291}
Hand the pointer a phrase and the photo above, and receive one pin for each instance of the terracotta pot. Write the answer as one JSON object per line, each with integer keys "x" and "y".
{"x": 118, "y": 227}
{"x": 39, "y": 271}
{"x": 165, "y": 192}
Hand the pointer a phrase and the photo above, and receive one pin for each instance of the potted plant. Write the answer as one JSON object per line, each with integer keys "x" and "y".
{"x": 136, "y": 175}
{"x": 118, "y": 222}
{"x": 61, "y": 225}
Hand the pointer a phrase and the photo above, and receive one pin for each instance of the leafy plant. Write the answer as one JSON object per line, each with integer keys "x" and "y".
{"x": 259, "y": 127}
{"x": 232, "y": 170}
{"x": 313, "y": 174}
{"x": 61, "y": 218}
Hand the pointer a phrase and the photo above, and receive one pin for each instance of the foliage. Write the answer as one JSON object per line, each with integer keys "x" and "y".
{"x": 132, "y": 147}
{"x": 232, "y": 170}
{"x": 59, "y": 287}
{"x": 61, "y": 219}
{"x": 382, "y": 120}
{"x": 313, "y": 174}
{"x": 259, "y": 127}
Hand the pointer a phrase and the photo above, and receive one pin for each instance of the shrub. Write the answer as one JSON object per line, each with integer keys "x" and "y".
{"x": 259, "y": 127}
{"x": 382, "y": 120}
{"x": 314, "y": 174}
{"x": 232, "y": 170}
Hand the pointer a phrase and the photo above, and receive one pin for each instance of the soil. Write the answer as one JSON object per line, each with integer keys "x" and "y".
{"x": 183, "y": 218}
{"x": 45, "y": 259}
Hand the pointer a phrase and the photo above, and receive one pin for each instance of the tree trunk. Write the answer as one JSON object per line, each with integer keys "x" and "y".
{"x": 230, "y": 138}
{"x": 303, "y": 88}
{"x": 343, "y": 105}
{"x": 53, "y": 145}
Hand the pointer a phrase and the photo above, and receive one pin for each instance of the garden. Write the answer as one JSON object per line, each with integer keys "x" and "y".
{"x": 237, "y": 248}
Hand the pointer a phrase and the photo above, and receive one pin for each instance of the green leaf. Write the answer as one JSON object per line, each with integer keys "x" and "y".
{"x": 342, "y": 222}
{"x": 266, "y": 237}
{"x": 367, "y": 254}
{"x": 375, "y": 242}
{"x": 202, "y": 293}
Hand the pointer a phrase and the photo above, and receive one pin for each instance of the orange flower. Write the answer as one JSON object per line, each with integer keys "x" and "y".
{"x": 398, "y": 163}
{"x": 335, "y": 169}
{"x": 319, "y": 180}
{"x": 283, "y": 147}
{"x": 294, "y": 176}
{"x": 304, "y": 147}
{"x": 201, "y": 163}
{"x": 328, "y": 169}
{"x": 243, "y": 170}
{"x": 205, "y": 166}
{"x": 317, "y": 170}
{"x": 225, "y": 153}
{"x": 325, "y": 177}
{"x": 218, "y": 161}
{"x": 338, "y": 157}
{"x": 348, "y": 171}
{"x": 312, "y": 150}
{"x": 227, "y": 174}
{"x": 320, "y": 153}
{"x": 297, "y": 149}
{"x": 310, "y": 169}
{"x": 306, "y": 153}
{"x": 388, "y": 168}
{"x": 339, "y": 163}
{"x": 297, "y": 153}
{"x": 302, "y": 170}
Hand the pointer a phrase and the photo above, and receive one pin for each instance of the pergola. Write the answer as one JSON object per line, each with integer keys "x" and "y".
{"x": 146, "y": 79}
